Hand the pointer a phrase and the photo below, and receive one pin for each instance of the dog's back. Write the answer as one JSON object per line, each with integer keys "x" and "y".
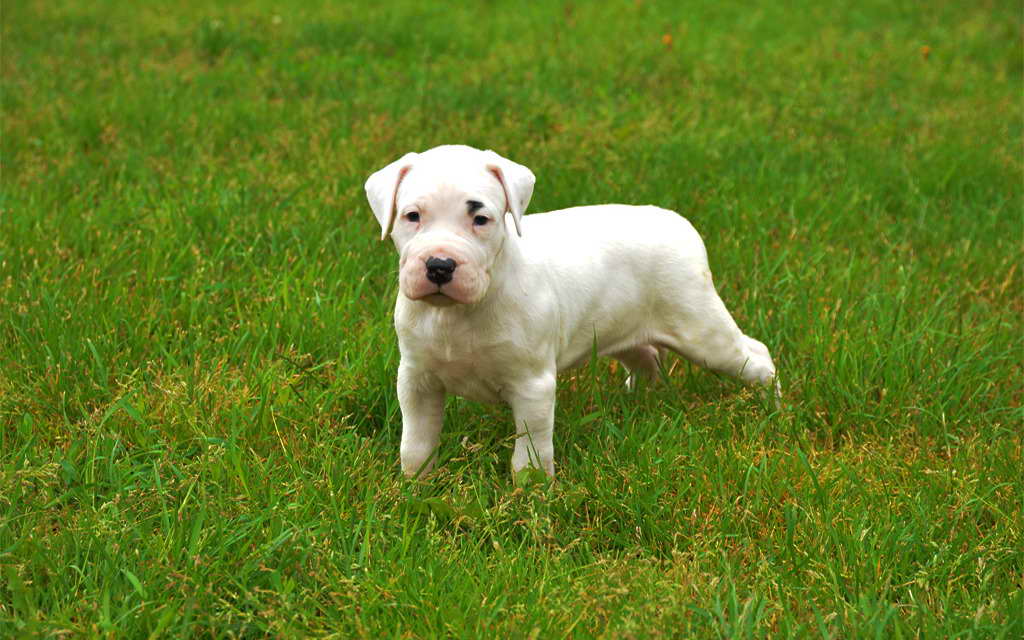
{"x": 632, "y": 267}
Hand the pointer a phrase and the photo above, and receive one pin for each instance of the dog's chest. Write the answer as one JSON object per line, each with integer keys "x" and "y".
{"x": 468, "y": 363}
{"x": 469, "y": 377}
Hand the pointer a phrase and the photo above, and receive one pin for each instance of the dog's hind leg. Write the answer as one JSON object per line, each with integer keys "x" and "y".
{"x": 702, "y": 331}
{"x": 641, "y": 360}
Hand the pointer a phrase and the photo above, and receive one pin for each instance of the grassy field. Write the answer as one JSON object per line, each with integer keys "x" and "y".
{"x": 198, "y": 423}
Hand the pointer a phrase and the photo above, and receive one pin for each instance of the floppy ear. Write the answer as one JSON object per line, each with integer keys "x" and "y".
{"x": 382, "y": 190}
{"x": 517, "y": 181}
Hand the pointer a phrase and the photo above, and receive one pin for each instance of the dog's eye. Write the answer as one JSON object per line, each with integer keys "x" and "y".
{"x": 413, "y": 216}
{"x": 480, "y": 220}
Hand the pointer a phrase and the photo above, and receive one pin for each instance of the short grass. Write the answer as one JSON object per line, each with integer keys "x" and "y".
{"x": 198, "y": 424}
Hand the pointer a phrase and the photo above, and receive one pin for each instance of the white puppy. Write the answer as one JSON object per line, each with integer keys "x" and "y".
{"x": 493, "y": 312}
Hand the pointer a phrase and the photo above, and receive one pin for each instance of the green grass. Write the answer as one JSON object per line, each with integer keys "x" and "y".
{"x": 198, "y": 423}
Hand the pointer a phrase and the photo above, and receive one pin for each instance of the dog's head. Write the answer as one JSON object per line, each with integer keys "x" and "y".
{"x": 446, "y": 211}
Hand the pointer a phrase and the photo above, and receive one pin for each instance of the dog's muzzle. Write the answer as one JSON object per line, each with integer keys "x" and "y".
{"x": 440, "y": 270}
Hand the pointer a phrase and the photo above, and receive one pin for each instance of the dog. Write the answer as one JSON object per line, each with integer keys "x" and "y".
{"x": 492, "y": 311}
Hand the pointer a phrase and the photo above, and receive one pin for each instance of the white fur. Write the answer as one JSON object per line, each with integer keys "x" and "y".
{"x": 628, "y": 281}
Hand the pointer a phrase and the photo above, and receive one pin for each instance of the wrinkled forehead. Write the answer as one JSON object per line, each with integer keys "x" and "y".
{"x": 450, "y": 184}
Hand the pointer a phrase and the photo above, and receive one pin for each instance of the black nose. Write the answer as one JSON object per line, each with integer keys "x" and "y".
{"x": 439, "y": 271}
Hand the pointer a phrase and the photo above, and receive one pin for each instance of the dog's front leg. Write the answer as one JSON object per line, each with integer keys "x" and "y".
{"x": 421, "y": 399}
{"x": 533, "y": 406}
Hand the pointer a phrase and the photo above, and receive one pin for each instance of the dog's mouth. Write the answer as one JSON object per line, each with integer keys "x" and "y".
{"x": 438, "y": 299}
{"x": 435, "y": 296}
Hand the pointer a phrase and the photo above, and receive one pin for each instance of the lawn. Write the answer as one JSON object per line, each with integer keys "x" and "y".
{"x": 198, "y": 419}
